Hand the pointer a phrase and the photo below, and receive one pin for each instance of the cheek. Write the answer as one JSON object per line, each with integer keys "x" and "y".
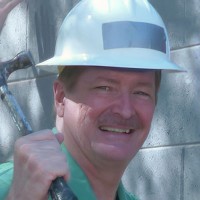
{"x": 84, "y": 126}
{"x": 145, "y": 113}
{"x": 92, "y": 109}
{"x": 79, "y": 117}
{"x": 85, "y": 116}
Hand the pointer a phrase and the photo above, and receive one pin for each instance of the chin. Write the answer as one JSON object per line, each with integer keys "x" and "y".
{"x": 115, "y": 153}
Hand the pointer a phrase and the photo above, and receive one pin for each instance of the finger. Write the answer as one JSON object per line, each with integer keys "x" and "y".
{"x": 38, "y": 136}
{"x": 60, "y": 137}
{"x": 39, "y": 140}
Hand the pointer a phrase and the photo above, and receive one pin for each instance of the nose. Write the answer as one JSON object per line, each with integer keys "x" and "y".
{"x": 123, "y": 105}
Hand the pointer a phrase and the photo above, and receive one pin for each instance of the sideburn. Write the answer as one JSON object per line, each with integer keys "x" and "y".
{"x": 70, "y": 75}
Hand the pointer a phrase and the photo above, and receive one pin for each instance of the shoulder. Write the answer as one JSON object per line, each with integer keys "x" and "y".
{"x": 6, "y": 175}
{"x": 129, "y": 196}
{"x": 124, "y": 194}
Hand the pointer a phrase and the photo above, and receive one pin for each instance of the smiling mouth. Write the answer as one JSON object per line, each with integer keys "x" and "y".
{"x": 116, "y": 130}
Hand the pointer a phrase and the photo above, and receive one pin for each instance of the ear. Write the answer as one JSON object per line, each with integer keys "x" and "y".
{"x": 59, "y": 97}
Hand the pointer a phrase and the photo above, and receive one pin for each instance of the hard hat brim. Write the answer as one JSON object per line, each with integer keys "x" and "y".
{"x": 136, "y": 60}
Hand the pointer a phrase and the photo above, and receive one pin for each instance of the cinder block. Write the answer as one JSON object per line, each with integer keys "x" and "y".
{"x": 192, "y": 175}
{"x": 155, "y": 174}
{"x": 177, "y": 113}
{"x": 13, "y": 37}
{"x": 192, "y": 22}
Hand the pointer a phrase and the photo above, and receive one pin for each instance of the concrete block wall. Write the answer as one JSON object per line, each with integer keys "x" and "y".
{"x": 167, "y": 167}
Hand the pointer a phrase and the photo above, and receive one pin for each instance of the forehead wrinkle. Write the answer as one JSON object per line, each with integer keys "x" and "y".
{"x": 109, "y": 80}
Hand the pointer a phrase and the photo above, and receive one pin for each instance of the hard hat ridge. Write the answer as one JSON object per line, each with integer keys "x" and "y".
{"x": 113, "y": 33}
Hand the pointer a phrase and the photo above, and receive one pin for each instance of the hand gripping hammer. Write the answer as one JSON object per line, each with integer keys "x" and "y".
{"x": 59, "y": 190}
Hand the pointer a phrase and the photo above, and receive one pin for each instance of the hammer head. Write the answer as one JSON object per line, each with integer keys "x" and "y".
{"x": 20, "y": 61}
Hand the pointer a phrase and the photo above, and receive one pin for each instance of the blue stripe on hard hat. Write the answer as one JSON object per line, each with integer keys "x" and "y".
{"x": 128, "y": 34}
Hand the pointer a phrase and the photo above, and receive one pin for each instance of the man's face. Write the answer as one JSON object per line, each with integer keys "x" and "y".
{"x": 108, "y": 114}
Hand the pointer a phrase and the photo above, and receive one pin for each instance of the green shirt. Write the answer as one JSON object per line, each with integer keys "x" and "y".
{"x": 78, "y": 181}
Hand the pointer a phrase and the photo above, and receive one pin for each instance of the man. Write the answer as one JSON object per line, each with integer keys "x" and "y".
{"x": 110, "y": 55}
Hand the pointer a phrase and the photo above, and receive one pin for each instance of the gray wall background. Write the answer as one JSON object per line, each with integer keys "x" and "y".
{"x": 167, "y": 167}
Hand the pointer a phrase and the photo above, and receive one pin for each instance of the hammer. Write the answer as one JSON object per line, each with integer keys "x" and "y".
{"x": 20, "y": 61}
{"x": 59, "y": 190}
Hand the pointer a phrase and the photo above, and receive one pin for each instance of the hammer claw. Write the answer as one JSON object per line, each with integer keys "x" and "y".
{"x": 22, "y": 60}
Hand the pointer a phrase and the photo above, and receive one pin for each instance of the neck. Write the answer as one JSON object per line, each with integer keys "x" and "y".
{"x": 104, "y": 180}
{"x": 104, "y": 176}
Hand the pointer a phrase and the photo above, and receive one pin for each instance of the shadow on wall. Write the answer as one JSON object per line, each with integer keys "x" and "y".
{"x": 45, "y": 30}
{"x": 47, "y": 20}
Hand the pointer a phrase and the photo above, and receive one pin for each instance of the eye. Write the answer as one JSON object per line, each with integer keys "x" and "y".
{"x": 142, "y": 94}
{"x": 103, "y": 88}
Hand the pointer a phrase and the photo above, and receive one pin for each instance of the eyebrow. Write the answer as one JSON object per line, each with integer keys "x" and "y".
{"x": 140, "y": 83}
{"x": 109, "y": 80}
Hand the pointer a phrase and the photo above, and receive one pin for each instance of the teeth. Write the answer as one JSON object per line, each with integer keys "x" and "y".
{"x": 116, "y": 130}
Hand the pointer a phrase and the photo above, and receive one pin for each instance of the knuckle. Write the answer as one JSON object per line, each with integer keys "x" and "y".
{"x": 22, "y": 149}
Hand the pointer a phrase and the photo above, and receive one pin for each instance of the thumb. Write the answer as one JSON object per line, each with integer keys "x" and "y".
{"x": 60, "y": 137}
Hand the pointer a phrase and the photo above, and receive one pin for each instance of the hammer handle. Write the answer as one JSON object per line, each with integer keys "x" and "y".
{"x": 59, "y": 189}
{"x": 15, "y": 111}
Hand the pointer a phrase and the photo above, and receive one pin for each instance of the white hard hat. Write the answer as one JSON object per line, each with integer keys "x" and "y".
{"x": 113, "y": 33}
